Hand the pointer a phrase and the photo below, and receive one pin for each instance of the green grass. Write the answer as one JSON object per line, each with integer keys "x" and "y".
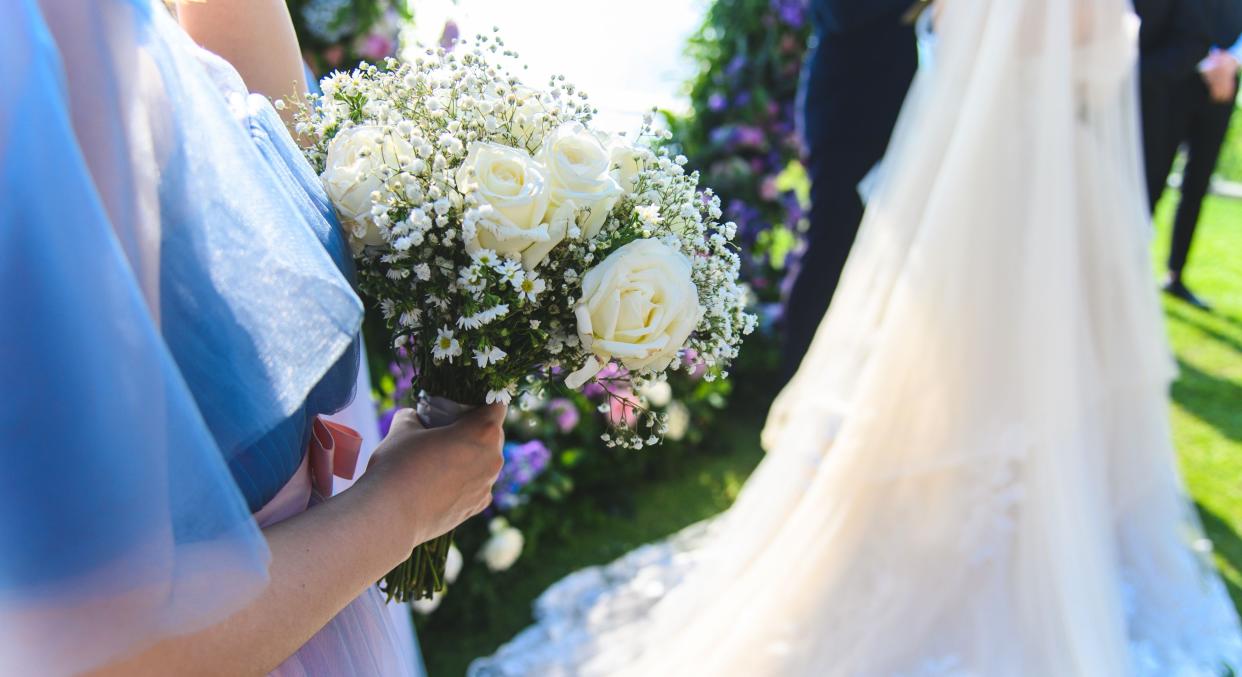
{"x": 1207, "y": 398}
{"x": 1207, "y": 425}
{"x": 660, "y": 508}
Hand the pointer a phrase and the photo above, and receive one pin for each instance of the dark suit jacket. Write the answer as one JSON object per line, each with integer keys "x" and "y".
{"x": 1174, "y": 38}
{"x": 1226, "y": 19}
{"x": 839, "y": 16}
{"x": 856, "y": 80}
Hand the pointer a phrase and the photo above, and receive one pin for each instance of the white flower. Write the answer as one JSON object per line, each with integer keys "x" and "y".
{"x": 504, "y": 547}
{"x": 446, "y": 346}
{"x": 502, "y": 396}
{"x": 649, "y": 214}
{"x": 578, "y": 167}
{"x": 657, "y": 393}
{"x": 426, "y": 606}
{"x": 624, "y": 160}
{"x": 530, "y": 115}
{"x": 486, "y": 357}
{"x": 638, "y": 306}
{"x": 354, "y": 170}
{"x": 423, "y": 271}
{"x": 513, "y": 188}
{"x": 531, "y": 287}
{"x": 452, "y": 567}
{"x": 678, "y": 421}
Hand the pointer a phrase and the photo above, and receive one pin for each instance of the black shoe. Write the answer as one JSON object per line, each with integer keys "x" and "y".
{"x": 1177, "y": 289}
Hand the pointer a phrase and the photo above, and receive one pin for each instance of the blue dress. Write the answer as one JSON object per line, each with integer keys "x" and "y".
{"x": 177, "y": 309}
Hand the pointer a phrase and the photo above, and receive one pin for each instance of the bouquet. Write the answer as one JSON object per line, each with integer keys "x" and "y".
{"x": 511, "y": 247}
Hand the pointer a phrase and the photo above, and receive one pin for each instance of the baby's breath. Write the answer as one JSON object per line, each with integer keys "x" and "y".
{"x": 483, "y": 320}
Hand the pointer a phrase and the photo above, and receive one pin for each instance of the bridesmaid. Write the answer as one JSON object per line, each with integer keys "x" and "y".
{"x": 178, "y": 318}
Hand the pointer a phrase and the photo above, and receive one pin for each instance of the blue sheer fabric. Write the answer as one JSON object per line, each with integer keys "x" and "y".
{"x": 263, "y": 467}
{"x": 173, "y": 305}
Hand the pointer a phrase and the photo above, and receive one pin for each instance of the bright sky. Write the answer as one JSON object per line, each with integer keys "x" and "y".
{"x": 628, "y": 55}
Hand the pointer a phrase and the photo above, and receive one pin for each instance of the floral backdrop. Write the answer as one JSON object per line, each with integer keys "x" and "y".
{"x": 338, "y": 34}
{"x": 741, "y": 132}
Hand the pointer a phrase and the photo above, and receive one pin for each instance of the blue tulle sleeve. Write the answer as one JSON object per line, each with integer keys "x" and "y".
{"x": 167, "y": 303}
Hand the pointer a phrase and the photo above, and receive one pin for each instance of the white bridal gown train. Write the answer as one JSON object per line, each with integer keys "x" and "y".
{"x": 972, "y": 472}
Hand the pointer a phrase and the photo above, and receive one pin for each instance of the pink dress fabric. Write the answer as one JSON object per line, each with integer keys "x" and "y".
{"x": 360, "y": 641}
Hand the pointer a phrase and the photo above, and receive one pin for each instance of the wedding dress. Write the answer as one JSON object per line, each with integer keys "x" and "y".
{"x": 972, "y": 472}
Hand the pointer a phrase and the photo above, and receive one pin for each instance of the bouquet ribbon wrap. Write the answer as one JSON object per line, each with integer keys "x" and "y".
{"x": 437, "y": 412}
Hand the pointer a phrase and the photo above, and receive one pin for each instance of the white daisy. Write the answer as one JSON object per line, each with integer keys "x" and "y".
{"x": 446, "y": 346}
{"x": 503, "y": 396}
{"x": 486, "y": 357}
{"x": 531, "y": 287}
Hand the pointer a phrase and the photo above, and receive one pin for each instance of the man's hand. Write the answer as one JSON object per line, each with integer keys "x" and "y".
{"x": 1220, "y": 73}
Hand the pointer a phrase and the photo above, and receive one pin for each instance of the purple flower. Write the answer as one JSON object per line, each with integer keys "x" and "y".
{"x": 564, "y": 413}
{"x": 742, "y": 100}
{"x": 748, "y": 136}
{"x": 791, "y": 12}
{"x": 385, "y": 421}
{"x": 403, "y": 379}
{"x": 449, "y": 36}
{"x": 523, "y": 464}
{"x": 717, "y": 102}
{"x": 735, "y": 66}
{"x": 603, "y": 382}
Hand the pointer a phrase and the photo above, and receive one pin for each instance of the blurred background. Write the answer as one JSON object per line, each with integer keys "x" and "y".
{"x": 723, "y": 75}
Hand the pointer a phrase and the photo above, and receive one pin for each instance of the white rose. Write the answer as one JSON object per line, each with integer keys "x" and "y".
{"x": 357, "y": 165}
{"x": 639, "y": 305}
{"x": 578, "y": 167}
{"x": 504, "y": 547}
{"x": 624, "y": 160}
{"x": 511, "y": 183}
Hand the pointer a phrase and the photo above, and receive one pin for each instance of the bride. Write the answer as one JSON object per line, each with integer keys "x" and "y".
{"x": 972, "y": 473}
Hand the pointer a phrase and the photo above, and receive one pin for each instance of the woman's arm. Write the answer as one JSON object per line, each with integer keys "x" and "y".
{"x": 256, "y": 36}
{"x": 421, "y": 484}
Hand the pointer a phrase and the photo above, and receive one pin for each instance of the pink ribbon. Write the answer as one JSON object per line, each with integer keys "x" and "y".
{"x": 333, "y": 451}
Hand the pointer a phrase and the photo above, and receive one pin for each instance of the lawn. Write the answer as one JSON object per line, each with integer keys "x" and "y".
{"x": 1207, "y": 422}
{"x": 1207, "y": 398}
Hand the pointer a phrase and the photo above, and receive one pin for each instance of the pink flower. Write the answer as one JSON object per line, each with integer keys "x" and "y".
{"x": 692, "y": 357}
{"x": 565, "y": 413}
{"x": 622, "y": 409}
{"x": 334, "y": 55}
{"x": 768, "y": 190}
{"x": 376, "y": 46}
{"x": 603, "y": 383}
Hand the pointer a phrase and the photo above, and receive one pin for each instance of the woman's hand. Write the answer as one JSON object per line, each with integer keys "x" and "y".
{"x": 421, "y": 484}
{"x": 440, "y": 477}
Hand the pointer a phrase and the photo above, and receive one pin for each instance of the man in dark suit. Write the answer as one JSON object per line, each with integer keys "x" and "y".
{"x": 1174, "y": 40}
{"x": 858, "y": 71}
